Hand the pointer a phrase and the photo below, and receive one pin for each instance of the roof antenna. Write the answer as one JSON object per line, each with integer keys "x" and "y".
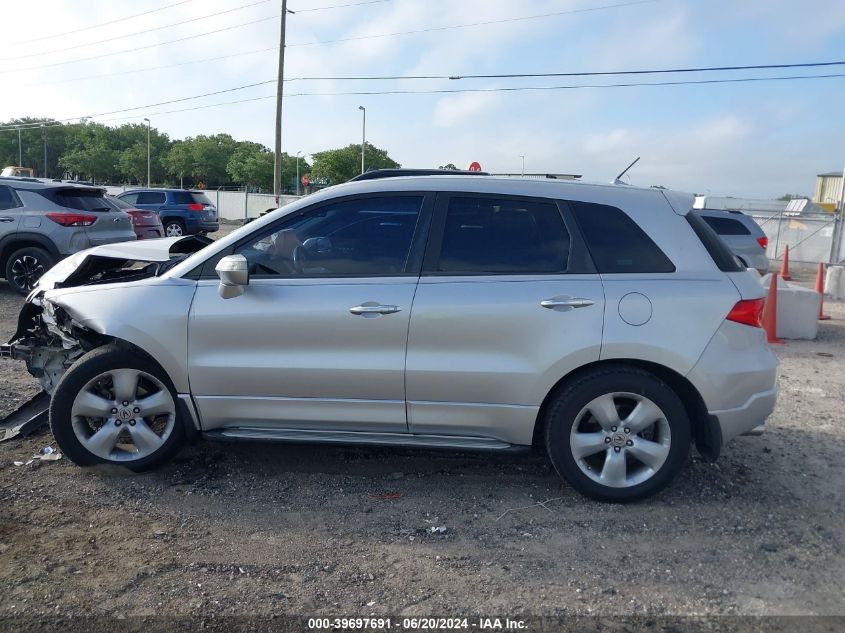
{"x": 618, "y": 179}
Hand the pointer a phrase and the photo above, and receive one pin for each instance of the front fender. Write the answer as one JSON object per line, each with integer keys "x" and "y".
{"x": 153, "y": 317}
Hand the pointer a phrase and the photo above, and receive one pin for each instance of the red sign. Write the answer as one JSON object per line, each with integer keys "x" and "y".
{"x": 475, "y": 166}
{"x": 305, "y": 181}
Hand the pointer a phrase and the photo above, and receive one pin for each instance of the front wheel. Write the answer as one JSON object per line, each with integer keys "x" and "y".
{"x": 116, "y": 407}
{"x": 617, "y": 433}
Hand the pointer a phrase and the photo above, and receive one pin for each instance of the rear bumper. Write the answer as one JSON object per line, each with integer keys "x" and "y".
{"x": 209, "y": 226}
{"x": 148, "y": 232}
{"x": 737, "y": 378}
{"x": 751, "y": 415}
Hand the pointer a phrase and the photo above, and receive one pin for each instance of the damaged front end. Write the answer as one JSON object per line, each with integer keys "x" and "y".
{"x": 49, "y": 339}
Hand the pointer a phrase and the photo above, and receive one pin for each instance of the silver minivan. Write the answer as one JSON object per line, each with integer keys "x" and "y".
{"x": 606, "y": 325}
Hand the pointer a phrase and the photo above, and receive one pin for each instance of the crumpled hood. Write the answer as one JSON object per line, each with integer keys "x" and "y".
{"x": 111, "y": 256}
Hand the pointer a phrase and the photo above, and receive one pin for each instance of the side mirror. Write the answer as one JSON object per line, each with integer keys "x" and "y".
{"x": 233, "y": 271}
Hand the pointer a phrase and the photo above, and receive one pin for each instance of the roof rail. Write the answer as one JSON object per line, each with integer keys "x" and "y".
{"x": 21, "y": 178}
{"x": 375, "y": 174}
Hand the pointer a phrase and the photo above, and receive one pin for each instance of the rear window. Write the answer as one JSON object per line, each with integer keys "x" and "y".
{"x": 726, "y": 226}
{"x": 616, "y": 243}
{"x": 721, "y": 254}
{"x": 151, "y": 197}
{"x": 81, "y": 199}
{"x": 189, "y": 197}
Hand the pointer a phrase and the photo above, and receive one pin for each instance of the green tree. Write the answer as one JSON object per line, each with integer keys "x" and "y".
{"x": 792, "y": 196}
{"x": 211, "y": 156}
{"x": 89, "y": 153}
{"x": 339, "y": 165}
{"x": 179, "y": 160}
{"x": 133, "y": 163}
{"x": 251, "y": 164}
{"x": 448, "y": 166}
{"x": 33, "y": 138}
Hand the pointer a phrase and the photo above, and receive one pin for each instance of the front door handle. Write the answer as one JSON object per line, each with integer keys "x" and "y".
{"x": 567, "y": 303}
{"x": 372, "y": 309}
{"x": 6, "y": 218}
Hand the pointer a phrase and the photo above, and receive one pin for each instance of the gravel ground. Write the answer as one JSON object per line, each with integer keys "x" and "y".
{"x": 273, "y": 529}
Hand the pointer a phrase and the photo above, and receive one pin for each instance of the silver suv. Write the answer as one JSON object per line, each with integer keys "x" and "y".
{"x": 605, "y": 324}
{"x": 42, "y": 222}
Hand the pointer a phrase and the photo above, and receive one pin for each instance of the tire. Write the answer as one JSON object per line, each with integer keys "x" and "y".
{"x": 174, "y": 228}
{"x": 89, "y": 387}
{"x": 629, "y": 429}
{"x": 25, "y": 266}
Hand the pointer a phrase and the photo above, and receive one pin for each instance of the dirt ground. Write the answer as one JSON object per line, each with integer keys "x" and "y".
{"x": 269, "y": 530}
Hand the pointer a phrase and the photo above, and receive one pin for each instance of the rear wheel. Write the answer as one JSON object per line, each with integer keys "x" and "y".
{"x": 25, "y": 267}
{"x": 617, "y": 434}
{"x": 174, "y": 228}
{"x": 113, "y": 406}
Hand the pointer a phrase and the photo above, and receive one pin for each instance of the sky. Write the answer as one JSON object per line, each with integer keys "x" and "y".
{"x": 756, "y": 139}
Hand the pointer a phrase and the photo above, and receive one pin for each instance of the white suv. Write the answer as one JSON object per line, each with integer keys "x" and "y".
{"x": 604, "y": 323}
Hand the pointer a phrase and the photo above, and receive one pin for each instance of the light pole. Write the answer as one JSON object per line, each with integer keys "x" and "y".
{"x": 148, "y": 151}
{"x": 363, "y": 135}
{"x": 44, "y": 140}
{"x": 297, "y": 171}
{"x": 20, "y": 152}
{"x": 522, "y": 156}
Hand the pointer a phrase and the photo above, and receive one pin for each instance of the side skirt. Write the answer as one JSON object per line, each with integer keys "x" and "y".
{"x": 308, "y": 436}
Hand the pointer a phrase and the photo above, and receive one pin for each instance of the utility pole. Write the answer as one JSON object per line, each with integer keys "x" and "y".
{"x": 20, "y": 151}
{"x": 277, "y": 155}
{"x": 148, "y": 152}
{"x": 522, "y": 156}
{"x": 363, "y": 135}
{"x": 44, "y": 140}
{"x": 297, "y": 171}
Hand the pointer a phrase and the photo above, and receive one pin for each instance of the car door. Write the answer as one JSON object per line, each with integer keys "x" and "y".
{"x": 508, "y": 302}
{"x": 11, "y": 210}
{"x": 318, "y": 338}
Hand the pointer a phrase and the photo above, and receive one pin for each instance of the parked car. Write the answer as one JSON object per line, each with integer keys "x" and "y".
{"x": 40, "y": 223}
{"x": 742, "y": 234}
{"x": 182, "y": 212}
{"x": 608, "y": 325}
{"x": 146, "y": 224}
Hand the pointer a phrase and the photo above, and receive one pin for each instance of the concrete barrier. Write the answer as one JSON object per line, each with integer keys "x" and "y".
{"x": 798, "y": 310}
{"x": 834, "y": 282}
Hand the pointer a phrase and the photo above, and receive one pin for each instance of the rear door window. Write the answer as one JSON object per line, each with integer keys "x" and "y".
{"x": 726, "y": 226}
{"x": 151, "y": 197}
{"x": 492, "y": 235}
{"x": 616, "y": 243}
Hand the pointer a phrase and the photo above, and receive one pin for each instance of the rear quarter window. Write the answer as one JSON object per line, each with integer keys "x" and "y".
{"x": 719, "y": 251}
{"x": 189, "y": 197}
{"x": 616, "y": 243}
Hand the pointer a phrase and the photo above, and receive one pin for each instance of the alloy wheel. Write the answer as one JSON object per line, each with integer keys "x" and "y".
{"x": 174, "y": 230}
{"x": 620, "y": 439}
{"x": 123, "y": 415}
{"x": 26, "y": 271}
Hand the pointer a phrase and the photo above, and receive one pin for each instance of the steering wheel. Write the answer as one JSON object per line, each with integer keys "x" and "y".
{"x": 300, "y": 258}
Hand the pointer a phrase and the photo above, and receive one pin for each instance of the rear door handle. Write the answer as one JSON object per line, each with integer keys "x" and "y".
{"x": 567, "y": 303}
{"x": 365, "y": 310}
{"x": 6, "y": 218}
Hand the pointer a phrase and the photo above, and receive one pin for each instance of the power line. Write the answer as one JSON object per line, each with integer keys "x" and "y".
{"x": 347, "y": 39}
{"x": 437, "y": 91}
{"x": 141, "y": 48}
{"x": 101, "y": 24}
{"x": 122, "y": 37}
{"x": 485, "y": 23}
{"x": 338, "y": 6}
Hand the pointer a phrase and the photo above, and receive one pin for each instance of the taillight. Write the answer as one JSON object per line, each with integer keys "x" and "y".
{"x": 763, "y": 241}
{"x": 72, "y": 219}
{"x": 747, "y": 312}
{"x": 196, "y": 206}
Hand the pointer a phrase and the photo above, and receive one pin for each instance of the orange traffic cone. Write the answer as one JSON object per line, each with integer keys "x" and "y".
{"x": 820, "y": 290}
{"x": 784, "y": 265}
{"x": 770, "y": 313}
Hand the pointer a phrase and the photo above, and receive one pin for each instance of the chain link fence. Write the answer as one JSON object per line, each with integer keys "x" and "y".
{"x": 811, "y": 238}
